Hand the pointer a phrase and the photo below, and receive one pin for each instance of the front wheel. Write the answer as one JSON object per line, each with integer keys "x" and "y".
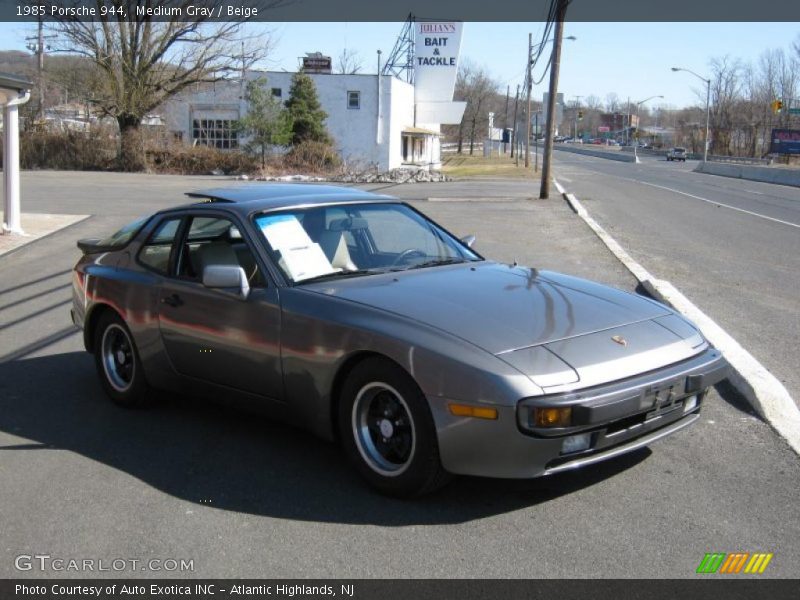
{"x": 387, "y": 430}
{"x": 118, "y": 363}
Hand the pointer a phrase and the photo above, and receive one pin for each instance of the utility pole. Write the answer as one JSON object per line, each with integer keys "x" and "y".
{"x": 628, "y": 128}
{"x": 547, "y": 155}
{"x": 514, "y": 132}
{"x": 36, "y": 45}
{"x": 505, "y": 115}
{"x": 528, "y": 112}
{"x": 536, "y": 145}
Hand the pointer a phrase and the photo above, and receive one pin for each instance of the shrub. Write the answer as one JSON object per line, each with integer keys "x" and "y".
{"x": 95, "y": 149}
{"x": 315, "y": 157}
{"x": 199, "y": 160}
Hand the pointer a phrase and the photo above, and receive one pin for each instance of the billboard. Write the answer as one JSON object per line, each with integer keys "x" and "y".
{"x": 785, "y": 141}
{"x": 437, "y": 46}
{"x": 317, "y": 63}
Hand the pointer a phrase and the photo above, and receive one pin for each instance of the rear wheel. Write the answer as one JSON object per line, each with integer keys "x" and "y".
{"x": 388, "y": 432}
{"x": 118, "y": 363}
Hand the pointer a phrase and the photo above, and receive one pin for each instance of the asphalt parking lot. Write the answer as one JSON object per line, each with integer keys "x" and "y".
{"x": 244, "y": 497}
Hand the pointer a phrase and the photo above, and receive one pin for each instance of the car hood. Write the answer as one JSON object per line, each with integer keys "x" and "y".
{"x": 554, "y": 328}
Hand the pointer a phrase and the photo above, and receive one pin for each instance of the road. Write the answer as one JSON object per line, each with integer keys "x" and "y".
{"x": 732, "y": 246}
{"x": 245, "y": 497}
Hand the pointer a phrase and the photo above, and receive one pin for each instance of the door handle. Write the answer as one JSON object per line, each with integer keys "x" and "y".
{"x": 173, "y": 300}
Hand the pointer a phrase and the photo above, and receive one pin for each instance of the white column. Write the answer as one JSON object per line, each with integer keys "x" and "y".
{"x": 11, "y": 214}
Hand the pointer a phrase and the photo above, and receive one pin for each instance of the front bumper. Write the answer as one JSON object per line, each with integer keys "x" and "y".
{"x": 619, "y": 417}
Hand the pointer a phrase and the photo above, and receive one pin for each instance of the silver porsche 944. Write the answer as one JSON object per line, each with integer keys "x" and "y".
{"x": 355, "y": 316}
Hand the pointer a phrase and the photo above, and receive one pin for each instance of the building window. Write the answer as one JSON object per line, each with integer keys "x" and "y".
{"x": 354, "y": 100}
{"x": 277, "y": 92}
{"x": 216, "y": 133}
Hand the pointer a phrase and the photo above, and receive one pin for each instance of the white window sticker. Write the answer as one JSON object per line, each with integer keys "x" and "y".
{"x": 300, "y": 257}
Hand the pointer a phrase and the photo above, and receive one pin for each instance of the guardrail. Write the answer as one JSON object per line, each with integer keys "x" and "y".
{"x": 739, "y": 160}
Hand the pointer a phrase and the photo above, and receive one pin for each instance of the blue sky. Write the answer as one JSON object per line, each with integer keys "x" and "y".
{"x": 630, "y": 59}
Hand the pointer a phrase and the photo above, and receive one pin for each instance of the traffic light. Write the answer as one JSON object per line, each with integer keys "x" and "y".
{"x": 580, "y": 115}
{"x": 777, "y": 106}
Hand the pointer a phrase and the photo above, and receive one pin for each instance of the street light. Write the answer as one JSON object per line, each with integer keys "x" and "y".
{"x": 708, "y": 98}
{"x": 572, "y": 38}
{"x": 636, "y": 145}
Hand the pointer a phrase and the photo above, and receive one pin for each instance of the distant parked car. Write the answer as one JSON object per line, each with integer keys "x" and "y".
{"x": 677, "y": 153}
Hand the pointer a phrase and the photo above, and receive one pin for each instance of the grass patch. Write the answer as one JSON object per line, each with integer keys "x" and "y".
{"x": 464, "y": 166}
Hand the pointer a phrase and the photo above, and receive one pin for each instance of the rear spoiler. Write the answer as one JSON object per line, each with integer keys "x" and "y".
{"x": 93, "y": 245}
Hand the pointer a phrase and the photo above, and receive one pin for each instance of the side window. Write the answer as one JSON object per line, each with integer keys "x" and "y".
{"x": 155, "y": 253}
{"x": 217, "y": 241}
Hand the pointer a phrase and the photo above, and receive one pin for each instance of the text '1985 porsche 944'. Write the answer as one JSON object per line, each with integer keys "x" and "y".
{"x": 353, "y": 315}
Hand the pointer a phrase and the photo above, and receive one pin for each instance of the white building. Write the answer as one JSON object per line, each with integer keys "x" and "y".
{"x": 379, "y": 121}
{"x": 363, "y": 131}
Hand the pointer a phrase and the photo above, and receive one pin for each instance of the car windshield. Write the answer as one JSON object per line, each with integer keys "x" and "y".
{"x": 336, "y": 241}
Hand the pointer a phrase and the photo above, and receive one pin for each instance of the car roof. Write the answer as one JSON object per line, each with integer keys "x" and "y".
{"x": 254, "y": 197}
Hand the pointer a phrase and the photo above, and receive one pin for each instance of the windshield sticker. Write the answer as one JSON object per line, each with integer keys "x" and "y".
{"x": 300, "y": 257}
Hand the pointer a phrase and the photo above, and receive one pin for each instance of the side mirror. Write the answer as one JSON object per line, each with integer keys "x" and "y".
{"x": 468, "y": 240}
{"x": 229, "y": 278}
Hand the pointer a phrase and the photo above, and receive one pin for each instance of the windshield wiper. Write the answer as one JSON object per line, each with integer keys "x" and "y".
{"x": 438, "y": 261}
{"x": 339, "y": 274}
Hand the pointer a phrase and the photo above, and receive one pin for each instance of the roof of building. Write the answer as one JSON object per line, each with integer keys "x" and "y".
{"x": 10, "y": 81}
{"x": 420, "y": 131}
{"x": 266, "y": 196}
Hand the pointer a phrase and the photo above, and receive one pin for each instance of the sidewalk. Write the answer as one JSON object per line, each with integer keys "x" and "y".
{"x": 36, "y": 226}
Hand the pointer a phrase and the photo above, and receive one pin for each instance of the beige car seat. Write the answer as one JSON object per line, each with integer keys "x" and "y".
{"x": 335, "y": 248}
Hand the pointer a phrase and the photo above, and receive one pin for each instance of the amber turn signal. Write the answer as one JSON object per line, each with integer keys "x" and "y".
{"x": 479, "y": 412}
{"x": 552, "y": 417}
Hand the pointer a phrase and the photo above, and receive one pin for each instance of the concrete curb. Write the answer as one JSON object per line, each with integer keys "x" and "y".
{"x": 768, "y": 397}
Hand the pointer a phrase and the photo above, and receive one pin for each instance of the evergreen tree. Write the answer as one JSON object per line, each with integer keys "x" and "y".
{"x": 266, "y": 123}
{"x": 308, "y": 118}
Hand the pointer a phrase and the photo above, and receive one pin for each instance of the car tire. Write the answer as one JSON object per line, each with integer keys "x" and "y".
{"x": 387, "y": 430}
{"x": 118, "y": 363}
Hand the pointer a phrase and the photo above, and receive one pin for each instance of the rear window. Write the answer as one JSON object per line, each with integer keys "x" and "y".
{"x": 680, "y": 149}
{"x": 124, "y": 235}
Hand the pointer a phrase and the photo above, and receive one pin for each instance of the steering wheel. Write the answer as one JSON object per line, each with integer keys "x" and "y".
{"x": 408, "y": 253}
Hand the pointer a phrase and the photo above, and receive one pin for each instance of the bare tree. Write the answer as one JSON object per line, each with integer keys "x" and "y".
{"x": 479, "y": 90}
{"x": 594, "y": 103}
{"x": 725, "y": 92}
{"x": 141, "y": 61}
{"x": 349, "y": 62}
{"x": 613, "y": 103}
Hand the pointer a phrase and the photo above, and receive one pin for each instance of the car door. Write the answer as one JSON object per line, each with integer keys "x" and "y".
{"x": 214, "y": 335}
